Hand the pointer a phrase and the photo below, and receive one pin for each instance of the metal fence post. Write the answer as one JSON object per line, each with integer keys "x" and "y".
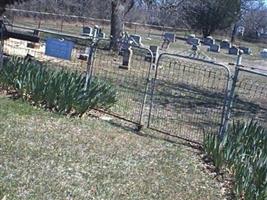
{"x": 1, "y": 45}
{"x": 231, "y": 97}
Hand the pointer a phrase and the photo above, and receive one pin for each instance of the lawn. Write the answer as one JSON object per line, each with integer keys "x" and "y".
{"x": 47, "y": 156}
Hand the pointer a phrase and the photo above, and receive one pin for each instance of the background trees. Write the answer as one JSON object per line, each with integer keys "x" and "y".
{"x": 4, "y": 3}
{"x": 209, "y": 16}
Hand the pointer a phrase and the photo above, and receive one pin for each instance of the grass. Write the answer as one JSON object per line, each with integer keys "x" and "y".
{"x": 47, "y": 156}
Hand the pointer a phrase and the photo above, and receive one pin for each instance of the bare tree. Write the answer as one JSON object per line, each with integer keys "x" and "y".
{"x": 208, "y": 16}
{"x": 4, "y": 3}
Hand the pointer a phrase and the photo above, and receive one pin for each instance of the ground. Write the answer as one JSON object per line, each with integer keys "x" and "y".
{"x": 47, "y": 156}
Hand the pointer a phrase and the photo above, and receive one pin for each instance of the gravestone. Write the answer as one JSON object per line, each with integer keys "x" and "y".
{"x": 155, "y": 52}
{"x": 264, "y": 53}
{"x": 246, "y": 50}
{"x": 189, "y": 39}
{"x": 59, "y": 48}
{"x": 87, "y": 31}
{"x": 209, "y": 41}
{"x": 233, "y": 50}
{"x": 195, "y": 41}
{"x": 169, "y": 36}
{"x": 214, "y": 48}
{"x": 84, "y": 56}
{"x": 225, "y": 44}
{"x": 126, "y": 59}
{"x": 136, "y": 39}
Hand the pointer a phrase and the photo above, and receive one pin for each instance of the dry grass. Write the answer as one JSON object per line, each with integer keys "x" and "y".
{"x": 45, "y": 156}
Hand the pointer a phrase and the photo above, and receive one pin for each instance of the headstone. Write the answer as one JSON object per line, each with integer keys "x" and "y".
{"x": 241, "y": 30}
{"x": 214, "y": 48}
{"x": 169, "y": 36}
{"x": 264, "y": 53}
{"x": 225, "y": 44}
{"x": 246, "y": 50}
{"x": 195, "y": 41}
{"x": 233, "y": 50}
{"x": 59, "y": 48}
{"x": 87, "y": 31}
{"x": 84, "y": 56}
{"x": 155, "y": 52}
{"x": 126, "y": 59}
{"x": 137, "y": 39}
{"x": 190, "y": 38}
{"x": 209, "y": 41}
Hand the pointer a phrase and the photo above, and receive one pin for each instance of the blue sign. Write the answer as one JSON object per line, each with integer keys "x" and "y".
{"x": 59, "y": 48}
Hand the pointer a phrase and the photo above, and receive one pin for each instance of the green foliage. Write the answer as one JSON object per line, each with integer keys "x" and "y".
{"x": 57, "y": 90}
{"x": 244, "y": 151}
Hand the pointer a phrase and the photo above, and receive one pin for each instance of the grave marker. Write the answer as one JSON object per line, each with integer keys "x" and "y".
{"x": 225, "y": 44}
{"x": 169, "y": 36}
{"x": 264, "y": 53}
{"x": 126, "y": 59}
{"x": 214, "y": 48}
{"x": 87, "y": 31}
{"x": 136, "y": 39}
{"x": 246, "y": 50}
{"x": 59, "y": 48}
{"x": 209, "y": 41}
{"x": 233, "y": 50}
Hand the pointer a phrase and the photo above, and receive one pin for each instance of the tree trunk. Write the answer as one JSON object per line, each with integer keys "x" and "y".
{"x": 234, "y": 33}
{"x": 117, "y": 18}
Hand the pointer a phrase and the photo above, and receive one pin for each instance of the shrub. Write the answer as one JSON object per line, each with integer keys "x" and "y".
{"x": 243, "y": 150}
{"x": 57, "y": 90}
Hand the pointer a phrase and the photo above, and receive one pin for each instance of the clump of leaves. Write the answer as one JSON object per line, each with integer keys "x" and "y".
{"x": 243, "y": 150}
{"x": 57, "y": 90}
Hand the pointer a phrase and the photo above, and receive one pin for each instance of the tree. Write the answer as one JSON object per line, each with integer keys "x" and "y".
{"x": 4, "y": 3}
{"x": 120, "y": 8}
{"x": 208, "y": 16}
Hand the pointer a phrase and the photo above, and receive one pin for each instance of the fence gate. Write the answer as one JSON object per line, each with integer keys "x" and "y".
{"x": 131, "y": 84}
{"x": 188, "y": 97}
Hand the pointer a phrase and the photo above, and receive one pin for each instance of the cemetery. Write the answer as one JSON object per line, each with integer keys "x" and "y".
{"x": 129, "y": 115}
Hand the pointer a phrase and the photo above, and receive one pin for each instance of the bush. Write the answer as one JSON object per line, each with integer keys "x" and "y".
{"x": 243, "y": 150}
{"x": 57, "y": 90}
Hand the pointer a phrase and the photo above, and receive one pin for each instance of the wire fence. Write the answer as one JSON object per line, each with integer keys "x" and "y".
{"x": 250, "y": 97}
{"x": 181, "y": 96}
{"x": 188, "y": 97}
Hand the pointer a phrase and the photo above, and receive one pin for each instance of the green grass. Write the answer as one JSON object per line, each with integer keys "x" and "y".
{"x": 47, "y": 156}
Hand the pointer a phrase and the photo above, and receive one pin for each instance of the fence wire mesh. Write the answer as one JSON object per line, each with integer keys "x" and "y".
{"x": 250, "y": 99}
{"x": 188, "y": 97}
{"x": 131, "y": 83}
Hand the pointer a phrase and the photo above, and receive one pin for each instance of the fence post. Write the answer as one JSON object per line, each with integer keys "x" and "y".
{"x": 1, "y": 44}
{"x": 231, "y": 96}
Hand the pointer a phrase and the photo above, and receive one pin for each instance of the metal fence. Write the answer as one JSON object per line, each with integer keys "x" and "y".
{"x": 250, "y": 96}
{"x": 188, "y": 96}
{"x": 180, "y": 95}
